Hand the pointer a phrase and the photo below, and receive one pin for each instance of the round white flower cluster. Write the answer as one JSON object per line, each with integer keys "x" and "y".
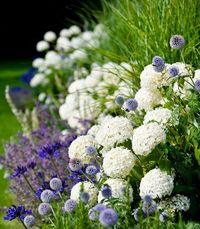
{"x": 147, "y": 137}
{"x": 161, "y": 116}
{"x": 118, "y": 188}
{"x": 85, "y": 187}
{"x": 157, "y": 184}
{"x": 114, "y": 131}
{"x": 175, "y": 204}
{"x": 118, "y": 162}
{"x": 77, "y": 149}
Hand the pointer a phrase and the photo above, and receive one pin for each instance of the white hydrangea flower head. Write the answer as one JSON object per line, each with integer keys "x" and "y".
{"x": 114, "y": 131}
{"x": 80, "y": 73}
{"x": 78, "y": 85}
{"x": 37, "y": 80}
{"x": 65, "y": 33}
{"x": 124, "y": 89}
{"x": 74, "y": 120}
{"x": 118, "y": 162}
{"x": 184, "y": 69}
{"x": 87, "y": 35}
{"x": 148, "y": 99}
{"x": 38, "y": 62}
{"x": 118, "y": 187}
{"x": 63, "y": 43}
{"x": 42, "y": 46}
{"x": 77, "y": 42}
{"x": 87, "y": 187}
{"x": 52, "y": 58}
{"x": 93, "y": 130}
{"x": 75, "y": 30}
{"x": 49, "y": 36}
{"x": 102, "y": 89}
{"x": 175, "y": 204}
{"x": 151, "y": 80}
{"x": 77, "y": 149}
{"x": 157, "y": 184}
{"x": 103, "y": 118}
{"x": 147, "y": 137}
{"x": 78, "y": 55}
{"x": 111, "y": 73}
{"x": 72, "y": 100}
{"x": 160, "y": 115}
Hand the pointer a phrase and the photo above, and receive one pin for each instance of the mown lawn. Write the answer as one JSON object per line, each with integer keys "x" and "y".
{"x": 9, "y": 75}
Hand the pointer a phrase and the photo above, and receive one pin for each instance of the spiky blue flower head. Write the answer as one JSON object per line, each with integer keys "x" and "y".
{"x": 84, "y": 197}
{"x": 173, "y": 71}
{"x": 131, "y": 104}
{"x": 106, "y": 192}
{"x": 108, "y": 217}
{"x": 177, "y": 42}
{"x": 95, "y": 211}
{"x": 44, "y": 209}
{"x": 99, "y": 207}
{"x": 90, "y": 150}
{"x": 158, "y": 63}
{"x": 70, "y": 205}
{"x": 29, "y": 221}
{"x": 119, "y": 100}
{"x": 20, "y": 170}
{"x": 197, "y": 85}
{"x": 16, "y": 211}
{"x": 91, "y": 170}
{"x": 46, "y": 196}
{"x": 75, "y": 165}
{"x": 163, "y": 216}
{"x": 56, "y": 184}
{"x": 149, "y": 207}
{"x": 147, "y": 199}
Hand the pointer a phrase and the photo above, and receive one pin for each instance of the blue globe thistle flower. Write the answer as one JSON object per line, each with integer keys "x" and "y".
{"x": 131, "y": 104}
{"x": 46, "y": 196}
{"x": 16, "y": 211}
{"x": 119, "y": 100}
{"x": 177, "y": 42}
{"x": 158, "y": 63}
{"x": 147, "y": 199}
{"x": 84, "y": 197}
{"x": 29, "y": 221}
{"x": 106, "y": 192}
{"x": 197, "y": 85}
{"x": 75, "y": 165}
{"x": 163, "y": 216}
{"x": 95, "y": 211}
{"x": 90, "y": 150}
{"x": 149, "y": 208}
{"x": 56, "y": 184}
{"x": 99, "y": 207}
{"x": 108, "y": 217}
{"x": 20, "y": 170}
{"x": 70, "y": 205}
{"x": 91, "y": 170}
{"x": 44, "y": 209}
{"x": 173, "y": 71}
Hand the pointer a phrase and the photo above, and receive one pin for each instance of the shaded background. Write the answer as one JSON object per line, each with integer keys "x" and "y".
{"x": 23, "y": 23}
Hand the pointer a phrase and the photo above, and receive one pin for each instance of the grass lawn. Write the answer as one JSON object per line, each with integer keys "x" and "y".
{"x": 9, "y": 75}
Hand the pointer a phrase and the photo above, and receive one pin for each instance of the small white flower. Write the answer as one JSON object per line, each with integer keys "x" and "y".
{"x": 50, "y": 36}
{"x": 42, "y": 46}
{"x": 38, "y": 62}
{"x": 37, "y": 80}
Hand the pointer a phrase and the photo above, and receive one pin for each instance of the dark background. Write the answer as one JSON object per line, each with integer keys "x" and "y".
{"x": 23, "y": 23}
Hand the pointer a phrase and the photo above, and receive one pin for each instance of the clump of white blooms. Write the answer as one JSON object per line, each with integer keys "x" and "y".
{"x": 37, "y": 80}
{"x": 148, "y": 99}
{"x": 93, "y": 130}
{"x": 77, "y": 149}
{"x": 147, "y": 137}
{"x": 118, "y": 188}
{"x": 175, "y": 204}
{"x": 42, "y": 46}
{"x": 114, "y": 131}
{"x": 118, "y": 162}
{"x": 157, "y": 184}
{"x": 50, "y": 36}
{"x": 160, "y": 115}
{"x": 84, "y": 187}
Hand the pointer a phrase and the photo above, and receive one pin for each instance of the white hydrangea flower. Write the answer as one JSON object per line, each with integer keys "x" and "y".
{"x": 93, "y": 130}
{"x": 148, "y": 99}
{"x": 78, "y": 147}
{"x": 87, "y": 187}
{"x": 114, "y": 131}
{"x": 118, "y": 187}
{"x": 63, "y": 44}
{"x": 160, "y": 115}
{"x": 65, "y": 33}
{"x": 124, "y": 89}
{"x": 184, "y": 69}
{"x": 78, "y": 55}
{"x": 78, "y": 85}
{"x": 77, "y": 42}
{"x": 38, "y": 62}
{"x": 151, "y": 80}
{"x": 175, "y": 204}
{"x": 52, "y": 59}
{"x": 65, "y": 111}
{"x": 111, "y": 73}
{"x": 37, "y": 80}
{"x": 157, "y": 184}
{"x": 50, "y": 36}
{"x": 74, "y": 29}
{"x": 147, "y": 137}
{"x": 118, "y": 162}
{"x": 42, "y": 46}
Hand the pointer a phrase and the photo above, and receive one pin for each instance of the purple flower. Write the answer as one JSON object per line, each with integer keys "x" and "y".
{"x": 197, "y": 85}
{"x": 90, "y": 150}
{"x": 14, "y": 212}
{"x": 29, "y": 221}
{"x": 149, "y": 208}
{"x": 163, "y": 216}
{"x": 177, "y": 42}
{"x": 44, "y": 209}
{"x": 108, "y": 217}
{"x": 147, "y": 199}
{"x": 47, "y": 196}
{"x": 131, "y": 104}
{"x": 99, "y": 207}
{"x": 31, "y": 165}
{"x": 91, "y": 170}
{"x": 70, "y": 205}
{"x": 50, "y": 150}
{"x": 158, "y": 64}
{"x": 84, "y": 197}
{"x": 20, "y": 170}
{"x": 119, "y": 100}
{"x": 106, "y": 192}
{"x": 173, "y": 71}
{"x": 56, "y": 184}
{"x": 75, "y": 165}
